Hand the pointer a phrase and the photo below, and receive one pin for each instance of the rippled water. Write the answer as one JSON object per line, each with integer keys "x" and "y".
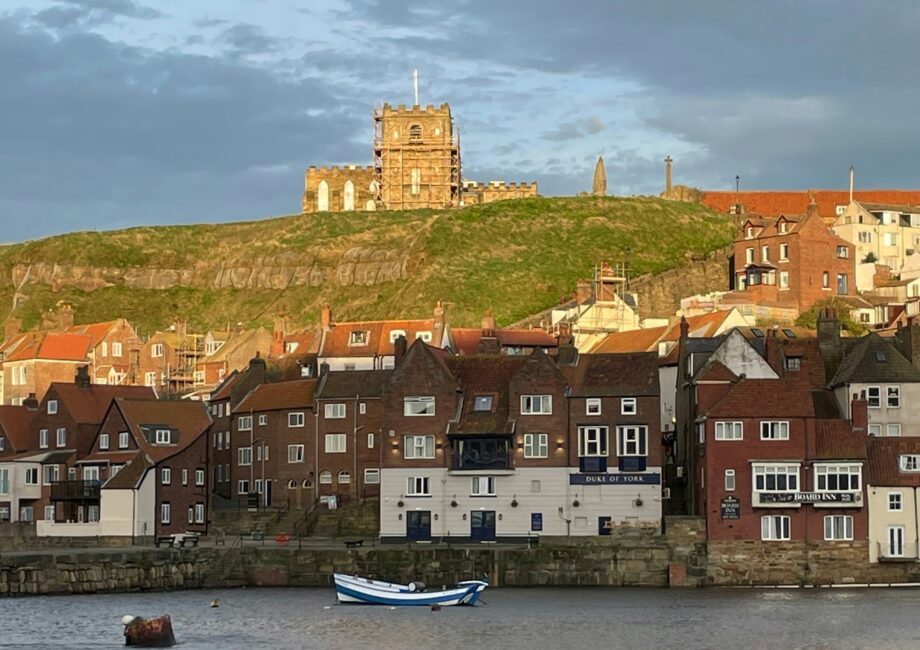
{"x": 511, "y": 618}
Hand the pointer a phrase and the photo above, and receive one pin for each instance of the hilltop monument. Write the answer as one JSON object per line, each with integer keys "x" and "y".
{"x": 416, "y": 165}
{"x": 599, "y": 184}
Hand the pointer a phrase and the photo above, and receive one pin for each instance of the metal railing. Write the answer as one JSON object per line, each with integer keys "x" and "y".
{"x": 75, "y": 490}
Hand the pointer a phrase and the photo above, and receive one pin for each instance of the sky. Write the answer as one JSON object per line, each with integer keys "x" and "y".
{"x": 116, "y": 113}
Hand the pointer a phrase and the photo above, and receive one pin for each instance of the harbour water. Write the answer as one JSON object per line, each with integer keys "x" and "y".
{"x": 510, "y": 618}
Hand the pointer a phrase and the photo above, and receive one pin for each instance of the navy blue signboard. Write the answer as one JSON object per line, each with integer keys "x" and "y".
{"x": 536, "y": 521}
{"x": 653, "y": 478}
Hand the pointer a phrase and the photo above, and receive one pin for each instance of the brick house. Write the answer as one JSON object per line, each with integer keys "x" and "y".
{"x": 31, "y": 362}
{"x": 790, "y": 263}
{"x": 19, "y": 485}
{"x": 234, "y": 354}
{"x": 273, "y": 430}
{"x": 349, "y": 441}
{"x": 115, "y": 351}
{"x": 149, "y": 464}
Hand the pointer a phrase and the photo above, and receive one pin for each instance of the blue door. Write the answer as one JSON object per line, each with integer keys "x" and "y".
{"x": 482, "y": 525}
{"x": 418, "y": 525}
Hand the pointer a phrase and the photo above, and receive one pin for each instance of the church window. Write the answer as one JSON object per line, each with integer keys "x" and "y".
{"x": 322, "y": 197}
{"x": 348, "y": 196}
{"x": 416, "y": 177}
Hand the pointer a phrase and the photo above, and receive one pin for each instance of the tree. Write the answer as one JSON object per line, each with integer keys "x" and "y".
{"x": 870, "y": 258}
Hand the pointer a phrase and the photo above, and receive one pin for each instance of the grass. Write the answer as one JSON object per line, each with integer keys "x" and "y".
{"x": 514, "y": 257}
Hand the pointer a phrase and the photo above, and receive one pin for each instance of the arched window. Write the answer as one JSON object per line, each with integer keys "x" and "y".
{"x": 307, "y": 484}
{"x": 415, "y": 133}
{"x": 292, "y": 484}
{"x": 322, "y": 197}
{"x": 370, "y": 206}
{"x": 348, "y": 196}
{"x": 416, "y": 178}
{"x": 325, "y": 477}
{"x": 344, "y": 477}
{"x": 372, "y": 188}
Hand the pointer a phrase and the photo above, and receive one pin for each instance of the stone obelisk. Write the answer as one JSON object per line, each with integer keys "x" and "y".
{"x": 599, "y": 185}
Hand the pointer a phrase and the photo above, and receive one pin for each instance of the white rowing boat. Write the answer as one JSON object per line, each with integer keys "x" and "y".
{"x": 358, "y": 590}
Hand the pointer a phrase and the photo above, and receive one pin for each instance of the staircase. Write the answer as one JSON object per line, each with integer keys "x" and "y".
{"x": 359, "y": 519}
{"x": 227, "y": 568}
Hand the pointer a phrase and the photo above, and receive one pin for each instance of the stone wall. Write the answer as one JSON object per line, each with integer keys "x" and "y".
{"x": 738, "y": 562}
{"x": 660, "y": 294}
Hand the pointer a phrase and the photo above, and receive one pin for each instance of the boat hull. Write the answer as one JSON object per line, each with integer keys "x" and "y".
{"x": 359, "y": 591}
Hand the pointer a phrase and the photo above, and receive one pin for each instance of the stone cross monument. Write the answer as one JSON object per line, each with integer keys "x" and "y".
{"x": 667, "y": 174}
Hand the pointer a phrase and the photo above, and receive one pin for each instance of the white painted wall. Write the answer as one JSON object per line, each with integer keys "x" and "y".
{"x": 880, "y": 518}
{"x": 553, "y": 497}
{"x": 907, "y": 415}
{"x": 18, "y": 490}
{"x": 44, "y": 528}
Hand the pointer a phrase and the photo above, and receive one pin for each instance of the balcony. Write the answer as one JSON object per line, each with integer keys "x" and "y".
{"x": 906, "y": 552}
{"x": 75, "y": 490}
{"x": 481, "y": 454}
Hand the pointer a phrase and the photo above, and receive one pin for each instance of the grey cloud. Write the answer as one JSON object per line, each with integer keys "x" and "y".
{"x": 248, "y": 39}
{"x": 567, "y": 131}
{"x": 126, "y": 8}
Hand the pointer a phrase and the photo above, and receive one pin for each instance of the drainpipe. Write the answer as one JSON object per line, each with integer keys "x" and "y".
{"x": 354, "y": 451}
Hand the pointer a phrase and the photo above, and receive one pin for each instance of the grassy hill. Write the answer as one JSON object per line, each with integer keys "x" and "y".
{"x": 515, "y": 257}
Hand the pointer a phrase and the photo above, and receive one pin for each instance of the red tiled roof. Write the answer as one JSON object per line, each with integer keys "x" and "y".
{"x": 336, "y": 341}
{"x": 836, "y": 440}
{"x": 189, "y": 418}
{"x": 884, "y": 462}
{"x": 279, "y": 396}
{"x": 465, "y": 340}
{"x": 89, "y": 405}
{"x": 641, "y": 340}
{"x": 306, "y": 342}
{"x": 700, "y": 326}
{"x": 796, "y": 202}
{"x": 96, "y": 331}
{"x": 65, "y": 347}
{"x": 130, "y": 477}
{"x": 717, "y": 371}
{"x": 14, "y": 423}
{"x": 757, "y": 398}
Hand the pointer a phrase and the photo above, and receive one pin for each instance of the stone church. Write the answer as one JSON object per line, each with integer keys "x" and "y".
{"x": 416, "y": 165}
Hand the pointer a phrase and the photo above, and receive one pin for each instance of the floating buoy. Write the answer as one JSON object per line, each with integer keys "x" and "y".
{"x": 392, "y": 607}
{"x": 328, "y": 607}
{"x": 436, "y": 608}
{"x": 127, "y": 619}
{"x": 215, "y": 602}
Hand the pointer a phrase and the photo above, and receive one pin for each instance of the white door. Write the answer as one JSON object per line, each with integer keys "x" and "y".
{"x": 896, "y": 541}
{"x": 91, "y": 473}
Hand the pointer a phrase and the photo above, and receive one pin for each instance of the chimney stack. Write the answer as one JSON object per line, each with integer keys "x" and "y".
{"x": 257, "y": 369}
{"x": 31, "y": 402}
{"x": 439, "y": 326}
{"x": 399, "y": 349}
{"x": 82, "y": 379}
{"x": 488, "y": 323}
{"x": 582, "y": 292}
{"x": 278, "y": 331}
{"x": 859, "y": 413}
{"x": 852, "y": 174}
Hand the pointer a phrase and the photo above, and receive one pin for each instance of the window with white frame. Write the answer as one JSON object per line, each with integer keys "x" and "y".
{"x": 482, "y": 486}
{"x": 893, "y": 429}
{"x": 418, "y": 405}
{"x": 116, "y": 349}
{"x": 123, "y": 440}
{"x": 295, "y": 453}
{"x": 838, "y": 478}
{"x": 163, "y": 436}
{"x": 2, "y": 443}
{"x": 244, "y": 423}
{"x": 893, "y": 397}
{"x": 418, "y": 446}
{"x": 765, "y": 253}
{"x": 895, "y": 502}
{"x": 263, "y": 420}
{"x": 150, "y": 379}
{"x": 165, "y": 476}
{"x": 344, "y": 477}
{"x": 362, "y": 408}
{"x": 295, "y": 419}
{"x": 244, "y": 456}
{"x": 729, "y": 480}
{"x": 242, "y": 487}
{"x": 774, "y": 528}
{"x": 729, "y": 430}
{"x": 184, "y": 476}
{"x": 199, "y": 513}
{"x": 909, "y": 462}
{"x": 749, "y": 256}
{"x": 783, "y": 252}
{"x": 838, "y": 528}
{"x": 592, "y": 441}
{"x": 358, "y": 337}
{"x": 875, "y": 429}
{"x": 536, "y": 445}
{"x": 157, "y": 350}
{"x": 103, "y": 441}
{"x": 536, "y": 404}
{"x": 874, "y": 397}
{"x": 50, "y": 474}
{"x": 370, "y": 441}
{"x": 325, "y": 477}
{"x": 593, "y": 406}
{"x": 199, "y": 477}
{"x": 776, "y": 478}
{"x": 31, "y": 476}
{"x": 52, "y": 406}
{"x": 165, "y": 512}
{"x": 371, "y": 476}
{"x": 417, "y": 486}
{"x": 784, "y": 279}
{"x": 335, "y": 443}
{"x": 43, "y": 438}
{"x": 61, "y": 437}
{"x": 632, "y": 440}
{"x": 395, "y": 334}
{"x": 425, "y": 336}
{"x": 774, "y": 430}
{"x": 628, "y": 406}
{"x": 334, "y": 411}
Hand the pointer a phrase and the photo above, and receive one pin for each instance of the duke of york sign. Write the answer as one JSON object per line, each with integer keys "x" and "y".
{"x": 615, "y": 479}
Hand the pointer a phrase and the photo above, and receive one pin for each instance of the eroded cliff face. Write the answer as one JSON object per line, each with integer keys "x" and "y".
{"x": 357, "y": 266}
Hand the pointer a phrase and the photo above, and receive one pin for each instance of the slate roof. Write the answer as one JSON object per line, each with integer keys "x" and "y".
{"x": 226, "y": 386}
{"x": 763, "y": 398}
{"x": 14, "y": 424}
{"x": 131, "y": 475}
{"x": 352, "y": 383}
{"x": 89, "y": 405}
{"x": 825, "y": 404}
{"x": 884, "y": 462}
{"x": 484, "y": 376}
{"x": 873, "y": 359}
{"x": 465, "y": 340}
{"x": 614, "y": 375}
{"x": 279, "y": 396}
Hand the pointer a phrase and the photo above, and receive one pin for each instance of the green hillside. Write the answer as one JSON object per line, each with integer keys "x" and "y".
{"x": 515, "y": 257}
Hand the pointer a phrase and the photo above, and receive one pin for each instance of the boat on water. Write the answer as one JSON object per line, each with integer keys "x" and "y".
{"x": 364, "y": 591}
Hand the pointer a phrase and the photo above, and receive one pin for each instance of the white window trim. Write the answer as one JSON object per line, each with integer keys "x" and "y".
{"x": 593, "y": 406}
{"x": 734, "y": 426}
{"x": 418, "y": 486}
{"x": 900, "y": 496}
{"x": 878, "y": 397}
{"x": 335, "y": 411}
{"x": 410, "y": 446}
{"x": 295, "y": 453}
{"x": 847, "y": 528}
{"x": 295, "y": 420}
{"x": 483, "y": 486}
{"x": 536, "y": 404}
{"x": 781, "y": 425}
{"x": 629, "y": 406}
{"x": 536, "y": 445}
{"x": 598, "y": 436}
{"x": 335, "y": 443}
{"x": 769, "y": 531}
{"x": 418, "y": 399}
{"x": 624, "y": 439}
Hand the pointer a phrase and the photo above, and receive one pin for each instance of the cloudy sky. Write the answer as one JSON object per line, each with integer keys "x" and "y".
{"x": 123, "y": 112}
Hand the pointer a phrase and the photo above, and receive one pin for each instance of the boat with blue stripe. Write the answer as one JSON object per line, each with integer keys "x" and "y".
{"x": 364, "y": 591}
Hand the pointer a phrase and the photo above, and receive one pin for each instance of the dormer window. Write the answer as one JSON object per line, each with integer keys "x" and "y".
{"x": 910, "y": 463}
{"x": 162, "y": 437}
{"x": 782, "y": 227}
{"x": 290, "y": 347}
{"x": 358, "y": 337}
{"x": 424, "y": 336}
{"x": 482, "y": 404}
{"x": 749, "y": 232}
{"x": 395, "y": 334}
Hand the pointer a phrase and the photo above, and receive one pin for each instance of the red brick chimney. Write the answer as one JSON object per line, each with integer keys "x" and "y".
{"x": 325, "y": 318}
{"x": 64, "y": 315}
{"x": 82, "y": 380}
{"x": 859, "y": 413}
{"x": 278, "y": 332}
{"x": 440, "y": 325}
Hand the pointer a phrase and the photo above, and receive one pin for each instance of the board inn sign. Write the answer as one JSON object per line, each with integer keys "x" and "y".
{"x": 615, "y": 479}
{"x": 810, "y": 497}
